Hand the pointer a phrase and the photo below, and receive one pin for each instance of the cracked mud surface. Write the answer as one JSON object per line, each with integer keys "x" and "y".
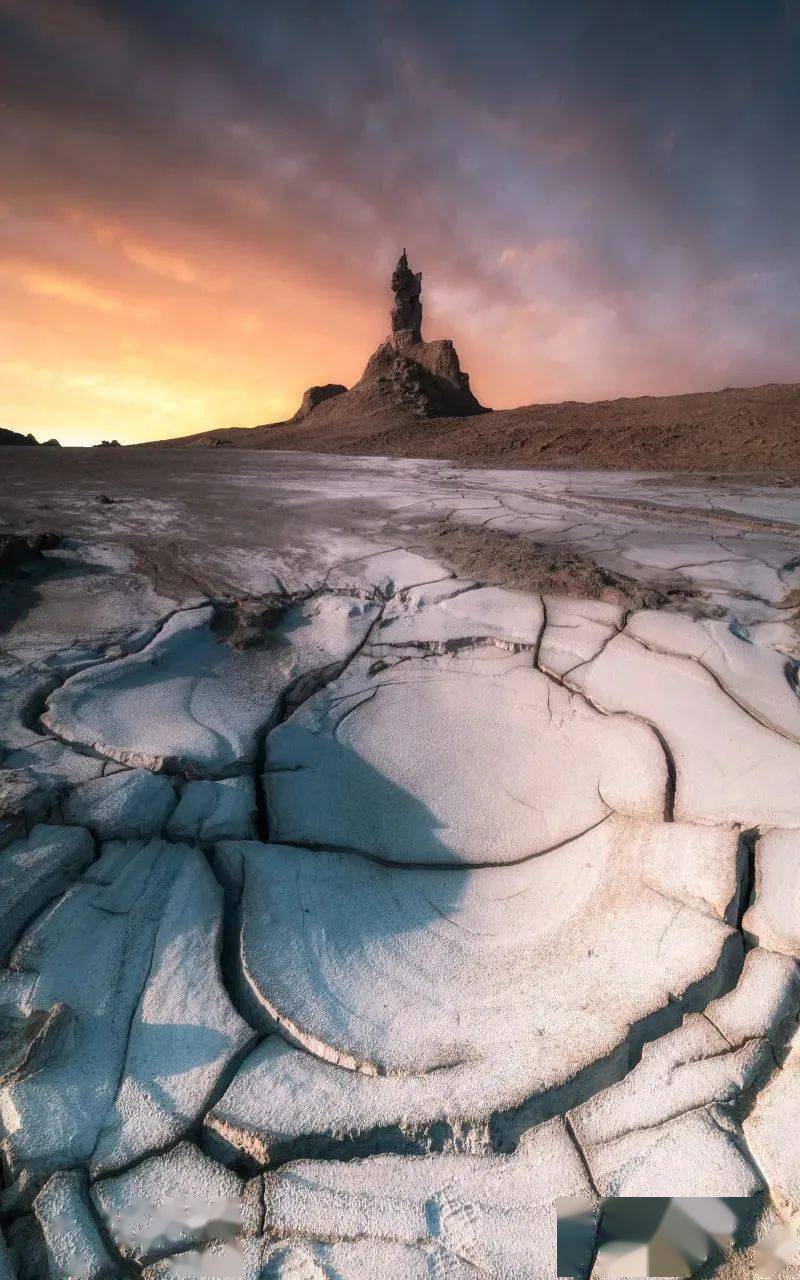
{"x": 353, "y": 910}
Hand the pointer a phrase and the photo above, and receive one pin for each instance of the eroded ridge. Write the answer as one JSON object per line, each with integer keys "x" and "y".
{"x": 345, "y": 930}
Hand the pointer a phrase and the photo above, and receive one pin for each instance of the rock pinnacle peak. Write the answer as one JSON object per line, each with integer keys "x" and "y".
{"x": 407, "y": 309}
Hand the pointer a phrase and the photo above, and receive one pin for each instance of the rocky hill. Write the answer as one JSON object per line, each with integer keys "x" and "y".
{"x": 414, "y": 400}
{"x": 754, "y": 429}
{"x": 7, "y": 436}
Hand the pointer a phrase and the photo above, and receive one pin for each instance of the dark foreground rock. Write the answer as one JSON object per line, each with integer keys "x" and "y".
{"x": 23, "y": 551}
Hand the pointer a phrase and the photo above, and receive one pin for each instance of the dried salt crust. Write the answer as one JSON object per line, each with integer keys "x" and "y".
{"x": 458, "y": 951}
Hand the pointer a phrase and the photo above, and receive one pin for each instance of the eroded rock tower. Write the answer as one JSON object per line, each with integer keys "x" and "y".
{"x": 407, "y": 309}
{"x": 424, "y": 378}
{"x": 405, "y": 375}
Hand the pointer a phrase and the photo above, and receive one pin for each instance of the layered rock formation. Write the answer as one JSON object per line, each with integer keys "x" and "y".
{"x": 407, "y": 309}
{"x": 423, "y": 377}
{"x": 406, "y": 375}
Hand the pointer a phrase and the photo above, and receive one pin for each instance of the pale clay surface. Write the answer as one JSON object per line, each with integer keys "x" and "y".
{"x": 344, "y": 950}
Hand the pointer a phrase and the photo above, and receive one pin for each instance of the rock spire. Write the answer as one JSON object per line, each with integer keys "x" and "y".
{"x": 407, "y": 309}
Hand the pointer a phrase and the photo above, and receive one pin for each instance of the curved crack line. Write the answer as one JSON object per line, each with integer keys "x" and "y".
{"x": 351, "y": 851}
{"x": 587, "y": 1168}
{"x": 104, "y": 1126}
{"x": 709, "y": 914}
{"x": 443, "y": 648}
{"x": 98, "y": 749}
{"x": 294, "y": 1034}
{"x": 672, "y": 1117}
{"x": 669, "y": 759}
{"x": 632, "y": 507}
{"x": 698, "y": 661}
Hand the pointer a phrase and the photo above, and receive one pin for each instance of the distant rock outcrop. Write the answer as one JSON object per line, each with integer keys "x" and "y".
{"x": 423, "y": 378}
{"x": 406, "y": 381}
{"x": 7, "y": 436}
{"x": 315, "y": 396}
{"x": 405, "y": 376}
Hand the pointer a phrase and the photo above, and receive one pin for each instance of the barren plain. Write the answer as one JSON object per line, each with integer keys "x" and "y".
{"x": 729, "y": 431}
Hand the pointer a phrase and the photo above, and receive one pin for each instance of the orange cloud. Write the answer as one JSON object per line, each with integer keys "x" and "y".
{"x": 50, "y": 284}
{"x": 171, "y": 266}
{"x": 61, "y": 286}
{"x": 150, "y": 254}
{"x": 77, "y": 365}
{"x": 543, "y": 252}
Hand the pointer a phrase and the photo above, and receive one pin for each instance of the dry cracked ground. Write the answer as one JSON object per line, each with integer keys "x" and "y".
{"x": 365, "y": 887}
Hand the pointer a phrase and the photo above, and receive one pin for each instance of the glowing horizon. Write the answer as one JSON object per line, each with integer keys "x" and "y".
{"x": 200, "y": 211}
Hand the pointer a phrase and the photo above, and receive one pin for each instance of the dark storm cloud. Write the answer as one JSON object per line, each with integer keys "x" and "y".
{"x": 613, "y": 184}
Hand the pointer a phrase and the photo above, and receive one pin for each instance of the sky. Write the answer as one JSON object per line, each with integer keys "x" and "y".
{"x": 201, "y": 201}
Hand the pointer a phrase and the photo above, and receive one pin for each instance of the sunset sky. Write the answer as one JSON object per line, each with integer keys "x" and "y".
{"x": 201, "y": 202}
